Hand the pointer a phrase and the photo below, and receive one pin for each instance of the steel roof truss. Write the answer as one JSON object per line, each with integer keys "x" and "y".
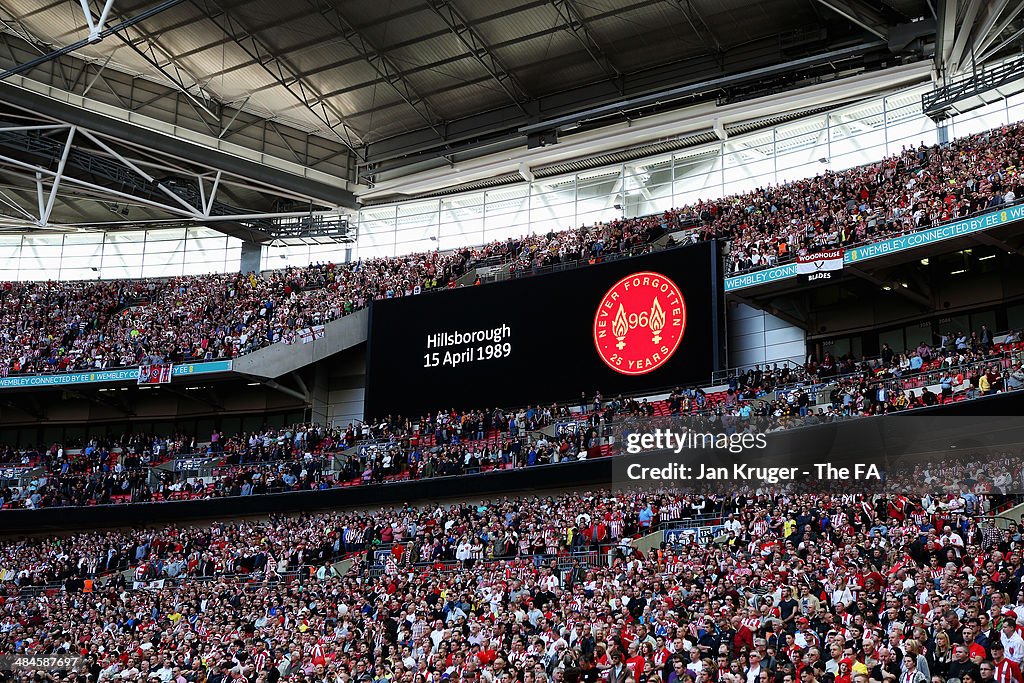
{"x": 482, "y": 53}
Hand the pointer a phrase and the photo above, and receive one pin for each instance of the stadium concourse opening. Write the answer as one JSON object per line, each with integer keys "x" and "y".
{"x": 552, "y": 341}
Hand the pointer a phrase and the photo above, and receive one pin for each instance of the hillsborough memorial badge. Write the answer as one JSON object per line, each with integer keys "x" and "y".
{"x": 639, "y": 323}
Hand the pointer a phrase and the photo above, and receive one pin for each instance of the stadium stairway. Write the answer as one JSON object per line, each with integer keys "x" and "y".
{"x": 280, "y": 359}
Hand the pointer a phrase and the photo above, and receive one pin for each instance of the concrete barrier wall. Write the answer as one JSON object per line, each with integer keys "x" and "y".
{"x": 280, "y": 359}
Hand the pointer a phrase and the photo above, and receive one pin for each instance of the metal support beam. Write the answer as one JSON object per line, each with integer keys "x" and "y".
{"x": 986, "y": 23}
{"x": 276, "y": 386}
{"x": 946, "y": 33}
{"x": 77, "y": 45}
{"x": 29, "y": 407}
{"x": 96, "y": 26}
{"x": 173, "y": 78}
{"x": 195, "y": 395}
{"x": 575, "y": 25}
{"x": 95, "y": 397}
{"x": 989, "y": 240}
{"x": 860, "y": 14}
{"x": 300, "y": 383}
{"x": 703, "y": 32}
{"x": 44, "y": 216}
{"x": 905, "y": 292}
{"x": 176, "y": 147}
{"x": 996, "y": 48}
{"x": 993, "y": 36}
{"x": 382, "y": 64}
{"x": 147, "y": 177}
{"x": 769, "y": 308}
{"x": 952, "y": 65}
{"x": 284, "y": 74}
{"x": 475, "y": 45}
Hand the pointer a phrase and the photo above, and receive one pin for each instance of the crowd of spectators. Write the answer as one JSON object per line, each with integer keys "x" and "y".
{"x": 62, "y": 326}
{"x": 913, "y": 190}
{"x": 544, "y": 589}
{"x": 310, "y": 457}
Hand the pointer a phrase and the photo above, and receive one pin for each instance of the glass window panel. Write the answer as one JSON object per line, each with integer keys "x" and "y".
{"x": 986, "y": 318}
{"x": 696, "y": 161}
{"x": 911, "y": 133}
{"x": 553, "y": 217}
{"x": 173, "y": 268}
{"x": 67, "y": 273}
{"x": 510, "y": 202}
{"x": 598, "y": 214}
{"x": 497, "y": 232}
{"x": 328, "y": 252}
{"x": 954, "y": 324}
{"x": 748, "y": 164}
{"x": 1016, "y": 113}
{"x": 651, "y": 173}
{"x": 558, "y": 191}
{"x": 194, "y": 267}
{"x": 894, "y": 338}
{"x": 1015, "y": 317}
{"x": 83, "y": 262}
{"x": 86, "y": 251}
{"x": 800, "y": 147}
{"x": 115, "y": 270}
{"x": 850, "y": 154}
{"x": 418, "y": 233}
{"x": 418, "y": 208}
{"x": 165, "y": 246}
{"x": 82, "y": 238}
{"x": 376, "y": 232}
{"x": 165, "y": 234}
{"x": 376, "y": 235}
{"x": 202, "y": 231}
{"x": 205, "y": 245}
{"x": 40, "y": 257}
{"x": 127, "y": 242}
{"x": 917, "y": 333}
{"x": 650, "y": 201}
{"x": 597, "y": 189}
{"x": 462, "y": 220}
{"x": 979, "y": 120}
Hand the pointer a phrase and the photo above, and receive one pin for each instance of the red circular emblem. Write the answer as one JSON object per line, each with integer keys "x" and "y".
{"x": 639, "y": 323}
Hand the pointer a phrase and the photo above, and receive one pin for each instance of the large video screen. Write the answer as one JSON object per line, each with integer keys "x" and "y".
{"x": 624, "y": 326}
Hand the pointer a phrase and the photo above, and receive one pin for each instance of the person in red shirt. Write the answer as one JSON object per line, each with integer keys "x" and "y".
{"x": 1004, "y": 670}
{"x": 634, "y": 661}
{"x": 744, "y": 638}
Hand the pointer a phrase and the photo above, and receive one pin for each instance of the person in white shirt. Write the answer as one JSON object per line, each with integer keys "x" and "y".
{"x": 951, "y": 538}
{"x": 754, "y": 672}
{"x": 1013, "y": 644}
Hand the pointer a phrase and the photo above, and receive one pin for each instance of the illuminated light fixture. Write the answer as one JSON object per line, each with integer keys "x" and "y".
{"x": 986, "y": 258}
{"x": 886, "y": 288}
{"x": 924, "y": 262}
{"x": 904, "y": 285}
{"x": 959, "y": 272}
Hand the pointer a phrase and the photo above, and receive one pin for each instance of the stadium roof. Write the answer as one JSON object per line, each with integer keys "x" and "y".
{"x": 336, "y": 94}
